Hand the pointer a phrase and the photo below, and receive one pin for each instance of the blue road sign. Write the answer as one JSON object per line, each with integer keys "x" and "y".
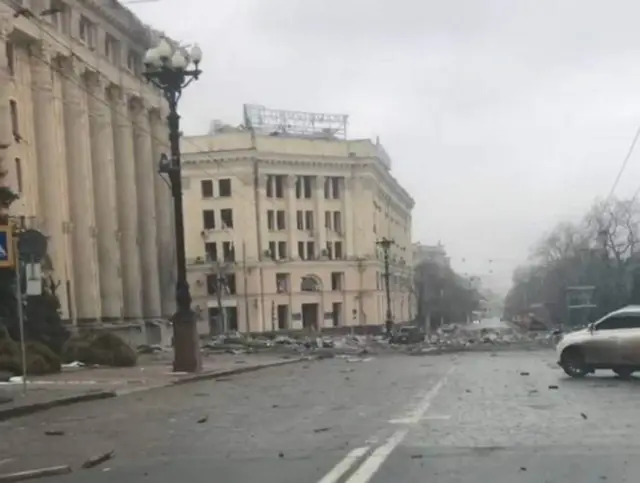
{"x": 6, "y": 246}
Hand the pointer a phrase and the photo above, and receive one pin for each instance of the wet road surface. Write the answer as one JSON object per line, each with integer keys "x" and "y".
{"x": 470, "y": 417}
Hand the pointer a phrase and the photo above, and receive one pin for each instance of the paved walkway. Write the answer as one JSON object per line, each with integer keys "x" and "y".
{"x": 153, "y": 371}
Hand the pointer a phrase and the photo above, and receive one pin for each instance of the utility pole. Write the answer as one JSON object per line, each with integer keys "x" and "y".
{"x": 386, "y": 244}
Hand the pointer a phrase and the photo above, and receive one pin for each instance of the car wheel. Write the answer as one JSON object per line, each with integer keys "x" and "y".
{"x": 623, "y": 372}
{"x": 572, "y": 362}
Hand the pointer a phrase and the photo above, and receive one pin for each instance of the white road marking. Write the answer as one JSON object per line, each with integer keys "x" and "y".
{"x": 345, "y": 465}
{"x": 372, "y": 464}
{"x": 442, "y": 417}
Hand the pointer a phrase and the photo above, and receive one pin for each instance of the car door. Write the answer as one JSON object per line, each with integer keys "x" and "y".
{"x": 629, "y": 342}
{"x": 602, "y": 347}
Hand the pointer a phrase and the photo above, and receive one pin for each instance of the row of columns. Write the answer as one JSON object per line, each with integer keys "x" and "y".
{"x": 118, "y": 210}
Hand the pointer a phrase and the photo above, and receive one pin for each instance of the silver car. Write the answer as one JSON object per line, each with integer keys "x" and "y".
{"x": 613, "y": 342}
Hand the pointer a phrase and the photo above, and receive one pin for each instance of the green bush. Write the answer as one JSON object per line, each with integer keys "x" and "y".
{"x": 99, "y": 348}
{"x": 40, "y": 359}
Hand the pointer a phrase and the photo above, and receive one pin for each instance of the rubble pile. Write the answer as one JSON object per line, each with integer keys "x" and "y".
{"x": 237, "y": 343}
{"x": 463, "y": 338}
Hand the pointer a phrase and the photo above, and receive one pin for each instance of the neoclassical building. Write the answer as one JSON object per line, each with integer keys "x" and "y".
{"x": 80, "y": 136}
{"x": 282, "y": 216}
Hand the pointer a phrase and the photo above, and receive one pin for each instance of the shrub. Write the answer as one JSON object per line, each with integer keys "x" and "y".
{"x": 99, "y": 348}
{"x": 40, "y": 359}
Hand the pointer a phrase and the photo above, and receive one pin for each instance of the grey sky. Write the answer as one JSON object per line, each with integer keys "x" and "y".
{"x": 501, "y": 116}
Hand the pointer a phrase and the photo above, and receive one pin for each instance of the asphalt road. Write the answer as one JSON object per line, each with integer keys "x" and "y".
{"x": 472, "y": 417}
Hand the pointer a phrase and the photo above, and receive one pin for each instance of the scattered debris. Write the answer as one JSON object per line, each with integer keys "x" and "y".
{"x": 280, "y": 454}
{"x": 524, "y": 374}
{"x": 553, "y": 386}
{"x": 416, "y": 456}
{"x": 97, "y": 460}
{"x": 54, "y": 432}
{"x": 321, "y": 430}
{"x": 203, "y": 420}
{"x": 584, "y": 416}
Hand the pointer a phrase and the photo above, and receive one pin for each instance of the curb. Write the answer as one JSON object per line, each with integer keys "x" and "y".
{"x": 232, "y": 372}
{"x": 28, "y": 409}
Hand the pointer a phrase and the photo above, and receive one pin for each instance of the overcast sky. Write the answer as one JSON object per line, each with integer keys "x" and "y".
{"x": 502, "y": 117}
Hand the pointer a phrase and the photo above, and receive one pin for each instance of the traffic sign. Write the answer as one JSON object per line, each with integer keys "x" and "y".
{"x": 6, "y": 246}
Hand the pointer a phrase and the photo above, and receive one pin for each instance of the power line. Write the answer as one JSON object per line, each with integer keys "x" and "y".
{"x": 623, "y": 167}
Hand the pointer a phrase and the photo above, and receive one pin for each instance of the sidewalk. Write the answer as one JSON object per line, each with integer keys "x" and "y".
{"x": 153, "y": 371}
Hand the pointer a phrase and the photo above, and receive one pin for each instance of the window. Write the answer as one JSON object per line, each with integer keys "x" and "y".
{"x": 337, "y": 280}
{"x": 281, "y": 220}
{"x": 10, "y": 53}
{"x": 279, "y": 180}
{"x": 206, "y": 188}
{"x": 133, "y": 61}
{"x": 337, "y": 250}
{"x": 335, "y": 187}
{"x": 208, "y": 219}
{"x": 630, "y": 321}
{"x": 337, "y": 222}
{"x": 308, "y": 220}
{"x": 282, "y": 250}
{"x": 212, "y": 284}
{"x": 224, "y": 187}
{"x": 18, "y": 175}
{"x": 311, "y": 250}
{"x": 112, "y": 49}
{"x": 60, "y": 19}
{"x": 327, "y": 219}
{"x": 300, "y": 220}
{"x": 272, "y": 250}
{"x": 228, "y": 252}
{"x": 230, "y": 283}
{"x": 86, "y": 31}
{"x": 211, "y": 251}
{"x": 301, "y": 250}
{"x": 329, "y": 250}
{"x": 307, "y": 184}
{"x": 283, "y": 282}
{"x": 226, "y": 217}
{"x": 270, "y": 220}
{"x": 15, "y": 125}
{"x": 327, "y": 188}
{"x": 298, "y": 187}
{"x": 270, "y": 186}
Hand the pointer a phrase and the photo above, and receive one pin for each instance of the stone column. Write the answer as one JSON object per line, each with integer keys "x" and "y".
{"x": 293, "y": 217}
{"x": 164, "y": 218}
{"x": 80, "y": 191}
{"x": 146, "y": 172}
{"x": 51, "y": 165}
{"x": 321, "y": 235}
{"x": 104, "y": 189}
{"x": 6, "y": 136}
{"x": 127, "y": 203}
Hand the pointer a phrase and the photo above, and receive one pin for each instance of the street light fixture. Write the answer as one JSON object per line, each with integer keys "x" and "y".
{"x": 171, "y": 69}
{"x": 385, "y": 244}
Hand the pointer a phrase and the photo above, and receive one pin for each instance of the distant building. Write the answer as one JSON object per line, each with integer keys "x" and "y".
{"x": 431, "y": 253}
{"x": 282, "y": 218}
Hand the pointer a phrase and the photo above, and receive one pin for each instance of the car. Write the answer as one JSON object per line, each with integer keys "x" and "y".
{"x": 612, "y": 342}
{"x": 409, "y": 334}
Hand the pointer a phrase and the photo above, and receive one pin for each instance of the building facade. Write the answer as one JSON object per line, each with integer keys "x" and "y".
{"x": 282, "y": 223}
{"x": 81, "y": 136}
{"x": 431, "y": 253}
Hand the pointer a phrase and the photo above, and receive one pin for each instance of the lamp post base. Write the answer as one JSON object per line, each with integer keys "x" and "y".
{"x": 186, "y": 344}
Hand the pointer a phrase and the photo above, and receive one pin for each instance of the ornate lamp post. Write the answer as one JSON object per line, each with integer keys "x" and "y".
{"x": 171, "y": 70}
{"x": 386, "y": 244}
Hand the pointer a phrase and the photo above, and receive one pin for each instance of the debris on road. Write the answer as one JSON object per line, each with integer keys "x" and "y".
{"x": 54, "y": 432}
{"x": 37, "y": 473}
{"x": 97, "y": 460}
{"x": 203, "y": 420}
{"x": 321, "y": 430}
{"x": 553, "y": 386}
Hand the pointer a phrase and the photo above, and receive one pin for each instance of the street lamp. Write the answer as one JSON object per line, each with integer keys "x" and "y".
{"x": 386, "y": 244}
{"x": 171, "y": 69}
